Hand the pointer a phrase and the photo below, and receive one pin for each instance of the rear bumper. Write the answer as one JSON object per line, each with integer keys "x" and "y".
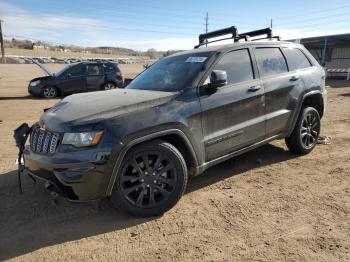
{"x": 120, "y": 83}
{"x": 77, "y": 179}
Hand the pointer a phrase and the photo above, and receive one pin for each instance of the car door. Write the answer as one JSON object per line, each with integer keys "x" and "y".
{"x": 280, "y": 85}
{"x": 74, "y": 79}
{"x": 95, "y": 77}
{"x": 233, "y": 115}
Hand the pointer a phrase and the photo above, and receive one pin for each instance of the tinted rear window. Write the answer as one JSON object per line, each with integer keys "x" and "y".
{"x": 94, "y": 69}
{"x": 110, "y": 67}
{"x": 296, "y": 59}
{"x": 270, "y": 61}
{"x": 237, "y": 65}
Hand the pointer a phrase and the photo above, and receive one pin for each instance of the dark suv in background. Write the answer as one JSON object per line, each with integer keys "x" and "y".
{"x": 77, "y": 78}
{"x": 180, "y": 116}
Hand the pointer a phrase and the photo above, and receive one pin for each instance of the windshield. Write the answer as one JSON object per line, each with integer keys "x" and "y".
{"x": 171, "y": 74}
{"x": 59, "y": 73}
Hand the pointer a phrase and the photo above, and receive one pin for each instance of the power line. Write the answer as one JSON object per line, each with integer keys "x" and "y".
{"x": 316, "y": 25}
{"x": 172, "y": 14}
{"x": 141, "y": 23}
{"x": 321, "y": 25}
{"x": 113, "y": 28}
{"x": 157, "y": 7}
{"x": 317, "y": 18}
{"x": 311, "y": 13}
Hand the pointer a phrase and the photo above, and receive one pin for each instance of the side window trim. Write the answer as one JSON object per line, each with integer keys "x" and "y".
{"x": 308, "y": 59}
{"x": 285, "y": 58}
{"x": 230, "y": 51}
{"x": 257, "y": 64}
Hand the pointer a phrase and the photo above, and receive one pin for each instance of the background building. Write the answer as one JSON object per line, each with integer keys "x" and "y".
{"x": 331, "y": 51}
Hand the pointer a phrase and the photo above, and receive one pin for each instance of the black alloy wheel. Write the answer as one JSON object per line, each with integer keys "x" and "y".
{"x": 152, "y": 179}
{"x": 304, "y": 137}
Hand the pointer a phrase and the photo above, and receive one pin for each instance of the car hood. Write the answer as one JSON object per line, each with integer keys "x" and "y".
{"x": 44, "y": 68}
{"x": 95, "y": 106}
{"x": 42, "y": 78}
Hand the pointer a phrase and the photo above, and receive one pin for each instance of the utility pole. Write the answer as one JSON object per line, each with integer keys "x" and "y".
{"x": 2, "y": 44}
{"x": 206, "y": 24}
{"x": 271, "y": 23}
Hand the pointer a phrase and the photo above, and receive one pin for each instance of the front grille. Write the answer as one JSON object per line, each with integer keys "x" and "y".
{"x": 43, "y": 141}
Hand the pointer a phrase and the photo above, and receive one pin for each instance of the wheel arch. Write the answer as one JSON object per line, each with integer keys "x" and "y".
{"x": 60, "y": 92}
{"x": 108, "y": 81}
{"x": 313, "y": 99}
{"x": 175, "y": 137}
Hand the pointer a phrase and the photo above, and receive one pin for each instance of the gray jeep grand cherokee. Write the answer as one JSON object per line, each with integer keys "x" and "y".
{"x": 180, "y": 116}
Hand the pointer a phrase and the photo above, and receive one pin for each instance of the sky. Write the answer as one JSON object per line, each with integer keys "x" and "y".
{"x": 165, "y": 25}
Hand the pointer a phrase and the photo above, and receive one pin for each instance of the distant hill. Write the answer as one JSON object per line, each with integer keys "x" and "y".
{"x": 116, "y": 49}
{"x": 104, "y": 50}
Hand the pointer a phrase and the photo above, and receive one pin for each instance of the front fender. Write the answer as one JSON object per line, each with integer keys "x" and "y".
{"x": 120, "y": 150}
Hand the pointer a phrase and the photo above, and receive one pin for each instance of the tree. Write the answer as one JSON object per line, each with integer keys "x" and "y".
{"x": 152, "y": 53}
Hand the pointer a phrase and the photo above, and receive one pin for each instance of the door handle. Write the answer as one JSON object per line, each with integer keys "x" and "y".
{"x": 254, "y": 88}
{"x": 294, "y": 78}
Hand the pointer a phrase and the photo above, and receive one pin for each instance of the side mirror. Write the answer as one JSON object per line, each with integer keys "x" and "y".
{"x": 218, "y": 78}
{"x": 68, "y": 75}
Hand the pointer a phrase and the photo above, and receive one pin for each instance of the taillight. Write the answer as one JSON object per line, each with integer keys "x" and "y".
{"x": 119, "y": 74}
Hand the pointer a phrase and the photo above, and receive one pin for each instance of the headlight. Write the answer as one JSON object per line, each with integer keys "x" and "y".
{"x": 35, "y": 83}
{"x": 82, "y": 139}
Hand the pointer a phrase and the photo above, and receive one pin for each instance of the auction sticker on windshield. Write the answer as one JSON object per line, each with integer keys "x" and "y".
{"x": 196, "y": 59}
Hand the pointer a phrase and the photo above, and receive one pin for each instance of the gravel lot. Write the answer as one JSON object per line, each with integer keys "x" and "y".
{"x": 266, "y": 205}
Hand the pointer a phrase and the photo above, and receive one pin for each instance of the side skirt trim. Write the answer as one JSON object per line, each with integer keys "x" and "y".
{"x": 206, "y": 165}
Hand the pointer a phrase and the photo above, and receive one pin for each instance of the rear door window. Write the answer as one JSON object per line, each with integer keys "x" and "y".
{"x": 238, "y": 66}
{"x": 93, "y": 70}
{"x": 270, "y": 61}
{"x": 296, "y": 59}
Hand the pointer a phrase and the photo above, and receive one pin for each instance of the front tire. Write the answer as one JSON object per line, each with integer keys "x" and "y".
{"x": 50, "y": 92}
{"x": 306, "y": 132}
{"x": 151, "y": 179}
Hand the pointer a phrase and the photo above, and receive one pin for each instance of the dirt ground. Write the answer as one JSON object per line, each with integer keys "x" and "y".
{"x": 266, "y": 205}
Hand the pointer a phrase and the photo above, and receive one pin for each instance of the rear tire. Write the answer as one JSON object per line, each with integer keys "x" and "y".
{"x": 108, "y": 86}
{"x": 151, "y": 180}
{"x": 306, "y": 132}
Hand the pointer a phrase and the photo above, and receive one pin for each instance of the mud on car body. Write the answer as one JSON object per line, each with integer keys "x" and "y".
{"x": 185, "y": 113}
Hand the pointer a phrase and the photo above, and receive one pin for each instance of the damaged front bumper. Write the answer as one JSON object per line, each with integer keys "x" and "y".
{"x": 74, "y": 178}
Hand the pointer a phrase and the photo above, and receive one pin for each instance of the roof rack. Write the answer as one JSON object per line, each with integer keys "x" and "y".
{"x": 266, "y": 31}
{"x": 203, "y": 38}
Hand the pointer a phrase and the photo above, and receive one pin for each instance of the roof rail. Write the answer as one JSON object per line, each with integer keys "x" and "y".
{"x": 203, "y": 38}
